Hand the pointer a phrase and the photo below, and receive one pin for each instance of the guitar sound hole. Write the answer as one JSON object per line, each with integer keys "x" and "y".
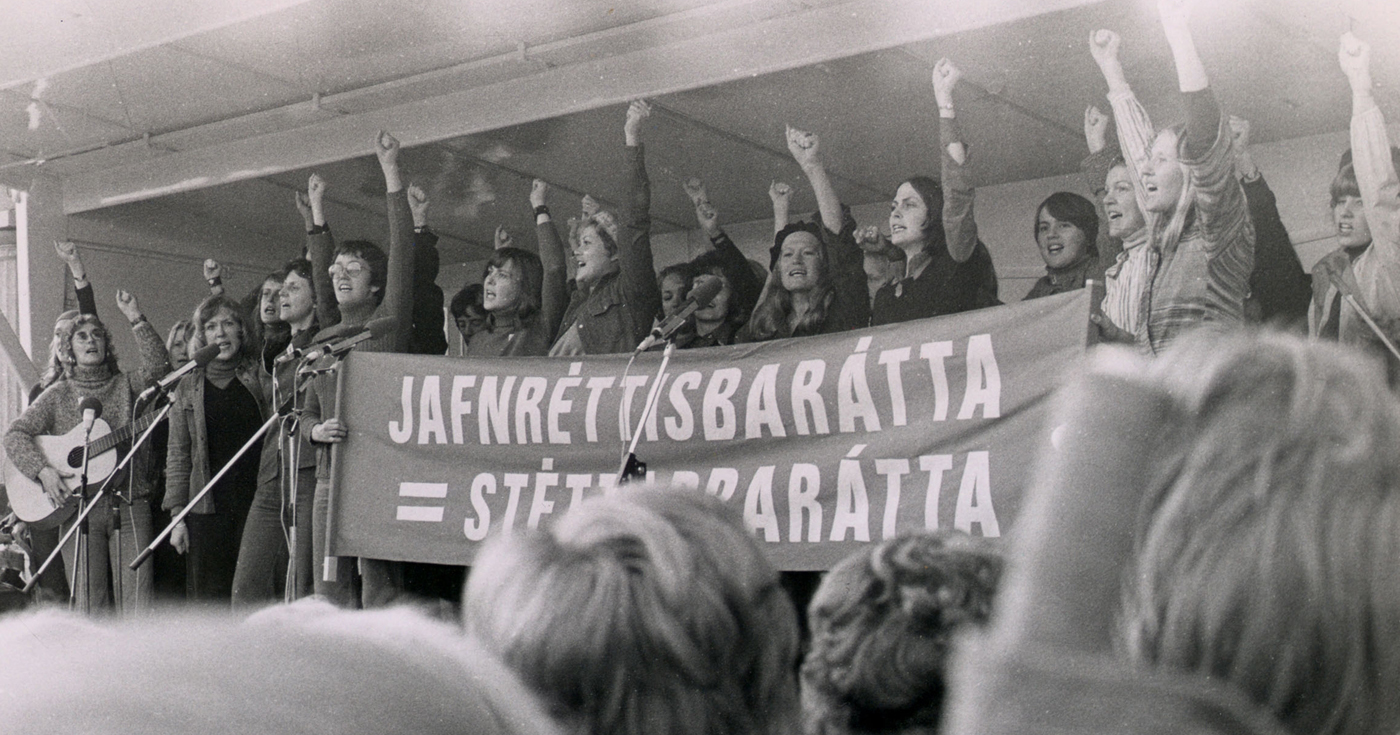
{"x": 75, "y": 458}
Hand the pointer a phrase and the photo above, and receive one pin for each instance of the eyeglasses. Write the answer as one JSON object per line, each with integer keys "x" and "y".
{"x": 351, "y": 269}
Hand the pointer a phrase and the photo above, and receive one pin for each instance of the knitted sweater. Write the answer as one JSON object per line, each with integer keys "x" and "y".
{"x": 55, "y": 411}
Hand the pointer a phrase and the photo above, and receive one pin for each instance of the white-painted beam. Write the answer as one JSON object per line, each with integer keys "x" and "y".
{"x": 671, "y": 65}
{"x": 40, "y": 38}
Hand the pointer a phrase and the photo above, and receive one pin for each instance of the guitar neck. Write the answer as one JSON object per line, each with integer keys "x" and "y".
{"x": 122, "y": 434}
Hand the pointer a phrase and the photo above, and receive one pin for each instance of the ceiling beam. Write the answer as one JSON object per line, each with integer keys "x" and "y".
{"x": 46, "y": 37}
{"x": 800, "y": 38}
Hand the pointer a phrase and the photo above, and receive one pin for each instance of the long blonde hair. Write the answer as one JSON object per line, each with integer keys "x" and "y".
{"x": 1166, "y": 231}
{"x": 771, "y": 315}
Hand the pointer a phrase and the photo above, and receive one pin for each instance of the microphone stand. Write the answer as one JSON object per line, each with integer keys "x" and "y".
{"x": 253, "y": 441}
{"x": 83, "y": 567}
{"x": 632, "y": 468}
{"x": 84, "y": 511}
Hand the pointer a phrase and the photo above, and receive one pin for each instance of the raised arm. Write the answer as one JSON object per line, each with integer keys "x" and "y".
{"x": 1133, "y": 126}
{"x": 1209, "y": 150}
{"x": 428, "y": 337}
{"x": 638, "y": 270}
{"x": 214, "y": 276}
{"x": 742, "y": 280}
{"x": 959, "y": 223}
{"x": 82, "y": 289}
{"x": 781, "y": 194}
{"x": 1278, "y": 283}
{"x": 554, "y": 293}
{"x": 1371, "y": 158}
{"x": 1095, "y": 170}
{"x": 320, "y": 250}
{"x": 805, "y": 148}
{"x": 155, "y": 361}
{"x": 398, "y": 287}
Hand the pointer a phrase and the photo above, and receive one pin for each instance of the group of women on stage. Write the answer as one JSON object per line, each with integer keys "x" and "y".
{"x": 1181, "y": 229}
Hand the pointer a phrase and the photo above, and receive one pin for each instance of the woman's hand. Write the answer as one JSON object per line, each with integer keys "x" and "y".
{"x": 503, "y": 238}
{"x": 868, "y": 238}
{"x": 1109, "y": 332}
{"x": 180, "y": 537}
{"x": 780, "y": 192}
{"x": 538, "y": 189}
{"x": 590, "y": 205}
{"x": 708, "y": 217}
{"x": 1354, "y": 55}
{"x": 212, "y": 269}
{"x": 805, "y": 147}
{"x": 386, "y": 149}
{"x": 945, "y": 77}
{"x": 316, "y": 195}
{"x": 68, "y": 253}
{"x": 1104, "y": 46}
{"x": 126, "y": 301}
{"x": 1095, "y": 129}
{"x": 1244, "y": 162}
{"x": 695, "y": 189}
{"x": 330, "y": 431}
{"x": 52, "y": 481}
{"x": 418, "y": 205}
{"x": 637, "y": 111}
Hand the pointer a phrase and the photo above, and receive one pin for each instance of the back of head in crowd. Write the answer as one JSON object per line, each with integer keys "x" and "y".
{"x": 304, "y": 668}
{"x": 649, "y": 611}
{"x": 883, "y": 625}
{"x": 1268, "y": 557}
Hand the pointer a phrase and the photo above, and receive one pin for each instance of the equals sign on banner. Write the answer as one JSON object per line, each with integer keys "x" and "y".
{"x": 424, "y": 513}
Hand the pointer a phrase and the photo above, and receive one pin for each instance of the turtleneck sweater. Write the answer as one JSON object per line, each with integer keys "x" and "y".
{"x": 55, "y": 411}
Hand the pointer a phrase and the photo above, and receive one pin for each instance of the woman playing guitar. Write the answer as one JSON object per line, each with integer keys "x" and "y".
{"x": 82, "y": 365}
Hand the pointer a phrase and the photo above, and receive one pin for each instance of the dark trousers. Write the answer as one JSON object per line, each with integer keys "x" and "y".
{"x": 214, "y": 542}
{"x": 276, "y": 550}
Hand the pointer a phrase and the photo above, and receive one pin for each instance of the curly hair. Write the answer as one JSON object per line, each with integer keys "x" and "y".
{"x": 883, "y": 623}
{"x": 649, "y": 611}
{"x": 61, "y": 357}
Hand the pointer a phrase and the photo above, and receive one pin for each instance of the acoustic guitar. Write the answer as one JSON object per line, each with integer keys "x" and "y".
{"x": 65, "y": 453}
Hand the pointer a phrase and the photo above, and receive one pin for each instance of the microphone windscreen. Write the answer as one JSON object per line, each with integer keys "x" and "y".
{"x": 706, "y": 292}
{"x": 90, "y": 403}
{"x": 205, "y": 355}
{"x": 381, "y": 327}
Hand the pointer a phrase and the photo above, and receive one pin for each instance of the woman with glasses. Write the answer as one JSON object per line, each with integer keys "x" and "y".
{"x": 361, "y": 283}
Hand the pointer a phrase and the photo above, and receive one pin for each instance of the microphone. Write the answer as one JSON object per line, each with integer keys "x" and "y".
{"x": 700, "y": 297}
{"x": 201, "y": 358}
{"x": 91, "y": 409}
{"x": 374, "y": 329}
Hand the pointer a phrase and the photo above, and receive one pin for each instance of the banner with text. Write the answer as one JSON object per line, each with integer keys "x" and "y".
{"x": 823, "y": 443}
